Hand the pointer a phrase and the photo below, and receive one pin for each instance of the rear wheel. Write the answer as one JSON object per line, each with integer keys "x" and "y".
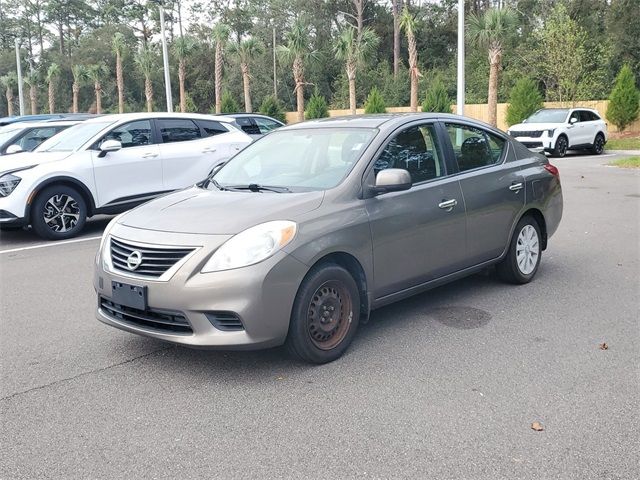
{"x": 560, "y": 150}
{"x": 525, "y": 251}
{"x": 58, "y": 212}
{"x": 325, "y": 315}
{"x": 598, "y": 145}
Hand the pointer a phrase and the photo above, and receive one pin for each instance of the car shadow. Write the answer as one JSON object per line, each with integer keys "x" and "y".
{"x": 25, "y": 237}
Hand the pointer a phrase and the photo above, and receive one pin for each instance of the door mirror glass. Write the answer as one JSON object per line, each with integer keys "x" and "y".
{"x": 573, "y": 120}
{"x": 109, "y": 146}
{"x": 14, "y": 149}
{"x": 392, "y": 180}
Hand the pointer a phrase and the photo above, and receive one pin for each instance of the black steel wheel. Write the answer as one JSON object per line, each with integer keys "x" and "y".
{"x": 598, "y": 144}
{"x": 561, "y": 147}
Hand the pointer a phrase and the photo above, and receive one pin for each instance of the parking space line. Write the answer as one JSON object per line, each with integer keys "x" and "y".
{"x": 50, "y": 244}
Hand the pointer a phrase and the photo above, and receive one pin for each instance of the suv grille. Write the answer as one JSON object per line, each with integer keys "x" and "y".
{"x": 173, "y": 322}
{"x": 153, "y": 262}
{"x": 531, "y": 134}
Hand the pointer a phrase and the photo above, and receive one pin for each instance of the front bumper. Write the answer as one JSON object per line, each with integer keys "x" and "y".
{"x": 537, "y": 144}
{"x": 260, "y": 295}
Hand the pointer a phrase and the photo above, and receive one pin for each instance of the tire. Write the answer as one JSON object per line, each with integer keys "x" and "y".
{"x": 561, "y": 147}
{"x": 524, "y": 254}
{"x": 598, "y": 144}
{"x": 325, "y": 315}
{"x": 58, "y": 212}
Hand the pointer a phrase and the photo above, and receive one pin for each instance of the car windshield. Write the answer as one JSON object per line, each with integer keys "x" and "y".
{"x": 556, "y": 115}
{"x": 7, "y": 133}
{"x": 302, "y": 159}
{"x": 73, "y": 138}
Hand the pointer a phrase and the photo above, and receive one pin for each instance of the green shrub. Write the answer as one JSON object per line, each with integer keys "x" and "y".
{"x": 375, "y": 102}
{"x": 624, "y": 101}
{"x": 272, "y": 107}
{"x": 228, "y": 103}
{"x": 317, "y": 107}
{"x": 524, "y": 100}
{"x": 189, "y": 104}
{"x": 437, "y": 99}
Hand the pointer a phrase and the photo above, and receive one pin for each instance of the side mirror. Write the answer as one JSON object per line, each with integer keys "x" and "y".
{"x": 392, "y": 180}
{"x": 14, "y": 149}
{"x": 109, "y": 146}
{"x": 573, "y": 120}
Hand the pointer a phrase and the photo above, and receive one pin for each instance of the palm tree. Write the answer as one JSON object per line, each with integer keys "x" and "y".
{"x": 146, "y": 62}
{"x": 246, "y": 50}
{"x": 31, "y": 79}
{"x": 119, "y": 46}
{"x": 296, "y": 53}
{"x": 96, "y": 73}
{"x": 79, "y": 73}
{"x": 9, "y": 82}
{"x": 408, "y": 24}
{"x": 52, "y": 74}
{"x": 354, "y": 50}
{"x": 183, "y": 48}
{"x": 490, "y": 31}
{"x": 220, "y": 37}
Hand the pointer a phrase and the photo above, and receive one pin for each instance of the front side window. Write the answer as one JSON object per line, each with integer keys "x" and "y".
{"x": 178, "y": 130}
{"x": 34, "y": 137}
{"x": 474, "y": 147}
{"x": 132, "y": 134}
{"x": 265, "y": 125}
{"x": 212, "y": 128}
{"x": 415, "y": 150}
{"x": 299, "y": 160}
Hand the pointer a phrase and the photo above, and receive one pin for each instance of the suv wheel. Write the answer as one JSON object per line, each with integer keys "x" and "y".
{"x": 598, "y": 144}
{"x": 525, "y": 250}
{"x": 561, "y": 147}
{"x": 325, "y": 315}
{"x": 58, "y": 212}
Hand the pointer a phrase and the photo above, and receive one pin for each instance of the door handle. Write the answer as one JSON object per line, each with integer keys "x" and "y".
{"x": 150, "y": 155}
{"x": 516, "y": 187}
{"x": 208, "y": 150}
{"x": 448, "y": 204}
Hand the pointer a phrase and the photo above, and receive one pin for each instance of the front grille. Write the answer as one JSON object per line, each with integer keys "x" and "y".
{"x": 226, "y": 321}
{"x": 531, "y": 134}
{"x": 165, "y": 321}
{"x": 154, "y": 261}
{"x": 532, "y": 144}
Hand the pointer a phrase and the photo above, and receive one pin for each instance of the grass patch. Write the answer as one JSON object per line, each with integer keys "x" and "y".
{"x": 631, "y": 143}
{"x": 629, "y": 162}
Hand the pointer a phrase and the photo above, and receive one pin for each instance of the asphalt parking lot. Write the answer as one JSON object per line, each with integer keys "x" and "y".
{"x": 443, "y": 385}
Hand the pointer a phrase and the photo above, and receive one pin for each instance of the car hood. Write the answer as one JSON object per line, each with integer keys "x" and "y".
{"x": 195, "y": 210}
{"x": 27, "y": 159}
{"x": 528, "y": 127}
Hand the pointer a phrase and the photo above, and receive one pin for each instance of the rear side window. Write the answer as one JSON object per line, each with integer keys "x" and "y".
{"x": 178, "y": 130}
{"x": 212, "y": 128}
{"x": 474, "y": 147}
{"x": 265, "y": 125}
{"x": 247, "y": 125}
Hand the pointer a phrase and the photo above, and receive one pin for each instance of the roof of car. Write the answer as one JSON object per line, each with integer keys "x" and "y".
{"x": 375, "y": 121}
{"x": 55, "y": 123}
{"x": 145, "y": 115}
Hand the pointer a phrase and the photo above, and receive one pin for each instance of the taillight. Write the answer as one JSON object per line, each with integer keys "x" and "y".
{"x": 552, "y": 169}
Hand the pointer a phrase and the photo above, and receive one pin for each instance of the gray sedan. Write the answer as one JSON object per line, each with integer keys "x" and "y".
{"x": 299, "y": 236}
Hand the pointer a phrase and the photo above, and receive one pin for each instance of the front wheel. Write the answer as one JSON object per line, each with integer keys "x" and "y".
{"x": 598, "y": 145}
{"x": 325, "y": 315}
{"x": 561, "y": 147}
{"x": 58, "y": 212}
{"x": 523, "y": 257}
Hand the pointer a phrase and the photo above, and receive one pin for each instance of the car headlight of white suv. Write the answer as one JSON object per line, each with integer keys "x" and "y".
{"x": 9, "y": 182}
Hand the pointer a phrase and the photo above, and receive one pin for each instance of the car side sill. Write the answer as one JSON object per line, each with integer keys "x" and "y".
{"x": 408, "y": 292}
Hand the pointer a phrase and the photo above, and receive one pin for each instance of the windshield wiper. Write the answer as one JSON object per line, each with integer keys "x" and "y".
{"x": 254, "y": 187}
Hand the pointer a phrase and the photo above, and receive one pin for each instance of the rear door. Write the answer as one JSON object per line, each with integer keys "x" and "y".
{"x": 590, "y": 121}
{"x": 492, "y": 185}
{"x": 418, "y": 235}
{"x": 131, "y": 174}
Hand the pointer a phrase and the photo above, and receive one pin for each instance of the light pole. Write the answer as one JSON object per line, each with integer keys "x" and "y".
{"x": 165, "y": 61}
{"x": 460, "y": 95}
{"x": 19, "y": 68}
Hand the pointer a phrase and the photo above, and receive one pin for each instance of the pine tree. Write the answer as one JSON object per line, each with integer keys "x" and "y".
{"x": 228, "y": 103}
{"x": 317, "y": 106}
{"x": 272, "y": 107}
{"x": 375, "y": 102}
{"x": 437, "y": 99}
{"x": 624, "y": 101}
{"x": 525, "y": 99}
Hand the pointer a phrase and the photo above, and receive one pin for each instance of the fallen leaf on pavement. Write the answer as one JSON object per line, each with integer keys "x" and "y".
{"x": 604, "y": 346}
{"x": 537, "y": 426}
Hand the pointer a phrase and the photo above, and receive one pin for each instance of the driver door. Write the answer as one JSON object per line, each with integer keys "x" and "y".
{"x": 132, "y": 174}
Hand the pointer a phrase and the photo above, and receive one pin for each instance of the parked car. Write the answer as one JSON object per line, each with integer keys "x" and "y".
{"x": 27, "y": 136}
{"x": 110, "y": 164}
{"x": 45, "y": 117}
{"x": 556, "y": 130}
{"x": 253, "y": 124}
{"x": 300, "y": 235}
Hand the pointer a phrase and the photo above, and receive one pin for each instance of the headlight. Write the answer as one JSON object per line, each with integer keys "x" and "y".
{"x": 8, "y": 184}
{"x": 550, "y": 132}
{"x": 253, "y": 245}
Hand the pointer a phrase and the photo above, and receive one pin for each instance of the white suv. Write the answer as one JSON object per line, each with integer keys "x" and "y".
{"x": 556, "y": 130}
{"x": 110, "y": 164}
